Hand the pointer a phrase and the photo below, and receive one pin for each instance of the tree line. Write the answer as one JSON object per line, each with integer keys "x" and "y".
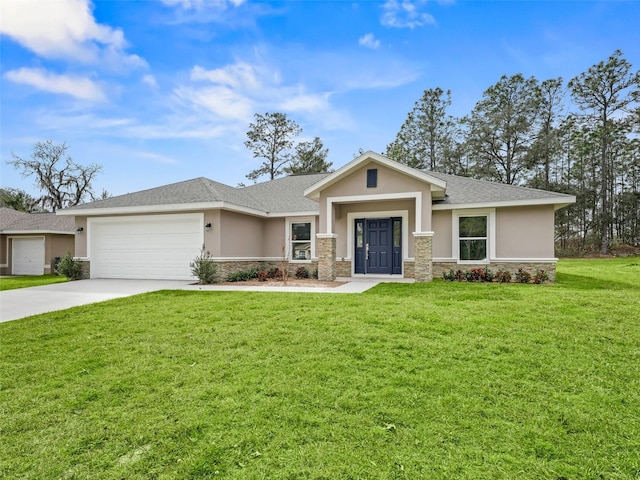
{"x": 581, "y": 138}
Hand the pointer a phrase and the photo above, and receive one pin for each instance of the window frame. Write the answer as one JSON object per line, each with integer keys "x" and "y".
{"x": 372, "y": 178}
{"x": 490, "y": 247}
{"x": 290, "y": 221}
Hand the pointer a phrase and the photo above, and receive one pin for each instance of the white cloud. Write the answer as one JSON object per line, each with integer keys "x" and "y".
{"x": 405, "y": 14}
{"x": 201, "y": 4}
{"x": 78, "y": 87}
{"x": 305, "y": 102}
{"x": 223, "y": 102}
{"x": 369, "y": 41}
{"x": 64, "y": 29}
{"x": 150, "y": 80}
{"x": 237, "y": 91}
{"x": 239, "y": 75}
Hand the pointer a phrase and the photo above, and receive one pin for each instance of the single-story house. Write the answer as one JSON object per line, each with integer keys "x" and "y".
{"x": 30, "y": 242}
{"x": 373, "y": 216}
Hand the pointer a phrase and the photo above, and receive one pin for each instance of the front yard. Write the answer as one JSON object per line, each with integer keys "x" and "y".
{"x": 438, "y": 381}
{"x": 10, "y": 283}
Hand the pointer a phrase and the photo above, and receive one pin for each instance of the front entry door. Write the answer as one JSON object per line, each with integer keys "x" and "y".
{"x": 377, "y": 246}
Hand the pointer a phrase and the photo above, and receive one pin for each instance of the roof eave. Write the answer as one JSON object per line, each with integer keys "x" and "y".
{"x": 36, "y": 232}
{"x": 176, "y": 208}
{"x": 556, "y": 202}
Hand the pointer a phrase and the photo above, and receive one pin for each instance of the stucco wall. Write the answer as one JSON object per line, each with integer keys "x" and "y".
{"x": 4, "y": 255}
{"x": 81, "y": 239}
{"x": 273, "y": 237}
{"x": 525, "y": 232}
{"x": 212, "y": 237}
{"x": 57, "y": 246}
{"x": 389, "y": 182}
{"x": 441, "y": 221}
{"x": 241, "y": 235}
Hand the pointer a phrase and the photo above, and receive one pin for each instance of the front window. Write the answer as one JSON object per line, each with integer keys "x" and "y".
{"x": 301, "y": 241}
{"x": 472, "y": 233}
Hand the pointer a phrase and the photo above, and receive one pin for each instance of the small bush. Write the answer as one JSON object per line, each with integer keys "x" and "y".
{"x": 314, "y": 273}
{"x": 479, "y": 274}
{"x": 204, "y": 268}
{"x": 302, "y": 272}
{"x": 69, "y": 267}
{"x": 460, "y": 275}
{"x": 522, "y": 276}
{"x": 243, "y": 275}
{"x": 503, "y": 276}
{"x": 449, "y": 276}
{"x": 262, "y": 276}
{"x": 274, "y": 272}
{"x": 488, "y": 275}
{"x": 540, "y": 277}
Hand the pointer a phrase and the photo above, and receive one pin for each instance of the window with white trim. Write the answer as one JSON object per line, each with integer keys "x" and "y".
{"x": 300, "y": 234}
{"x": 473, "y": 238}
{"x": 473, "y": 235}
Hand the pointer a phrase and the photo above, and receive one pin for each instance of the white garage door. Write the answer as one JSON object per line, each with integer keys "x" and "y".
{"x": 151, "y": 247}
{"x": 28, "y": 256}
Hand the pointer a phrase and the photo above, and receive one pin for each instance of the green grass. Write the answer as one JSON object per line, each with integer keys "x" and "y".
{"x": 435, "y": 381}
{"x": 10, "y": 283}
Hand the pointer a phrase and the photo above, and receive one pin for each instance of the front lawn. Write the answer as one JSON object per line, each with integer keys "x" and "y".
{"x": 435, "y": 381}
{"x": 10, "y": 283}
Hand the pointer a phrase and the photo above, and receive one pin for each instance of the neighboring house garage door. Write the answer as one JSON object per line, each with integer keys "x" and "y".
{"x": 28, "y": 256}
{"x": 151, "y": 247}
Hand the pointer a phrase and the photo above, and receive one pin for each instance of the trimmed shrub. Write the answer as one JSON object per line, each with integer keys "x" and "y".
{"x": 204, "y": 268}
{"x": 243, "y": 275}
{"x": 302, "y": 272}
{"x": 274, "y": 272}
{"x": 69, "y": 267}
{"x": 540, "y": 277}
{"x": 449, "y": 276}
{"x": 262, "y": 276}
{"x": 522, "y": 276}
{"x": 314, "y": 273}
{"x": 503, "y": 276}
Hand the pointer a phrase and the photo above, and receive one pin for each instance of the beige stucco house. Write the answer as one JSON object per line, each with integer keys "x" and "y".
{"x": 30, "y": 242}
{"x": 373, "y": 216}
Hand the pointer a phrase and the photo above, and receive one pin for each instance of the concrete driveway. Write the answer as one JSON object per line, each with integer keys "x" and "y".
{"x": 24, "y": 302}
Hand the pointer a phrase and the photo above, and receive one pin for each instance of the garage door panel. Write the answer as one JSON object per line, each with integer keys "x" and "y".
{"x": 27, "y": 256}
{"x": 145, "y": 247}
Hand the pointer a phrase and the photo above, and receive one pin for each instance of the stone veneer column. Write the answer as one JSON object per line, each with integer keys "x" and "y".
{"x": 326, "y": 246}
{"x": 423, "y": 256}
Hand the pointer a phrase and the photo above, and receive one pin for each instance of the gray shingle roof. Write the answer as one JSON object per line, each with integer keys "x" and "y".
{"x": 14, "y": 221}
{"x": 463, "y": 190}
{"x": 277, "y": 196}
{"x": 197, "y": 190}
{"x": 286, "y": 194}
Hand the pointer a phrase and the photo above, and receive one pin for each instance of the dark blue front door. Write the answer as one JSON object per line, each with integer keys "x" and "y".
{"x": 377, "y": 246}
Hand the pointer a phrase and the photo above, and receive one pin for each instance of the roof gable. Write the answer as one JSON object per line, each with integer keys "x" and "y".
{"x": 438, "y": 186}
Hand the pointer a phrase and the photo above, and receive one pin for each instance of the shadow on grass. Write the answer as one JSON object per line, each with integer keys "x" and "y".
{"x": 582, "y": 282}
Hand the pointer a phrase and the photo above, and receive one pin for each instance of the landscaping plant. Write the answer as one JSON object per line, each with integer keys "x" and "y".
{"x": 204, "y": 268}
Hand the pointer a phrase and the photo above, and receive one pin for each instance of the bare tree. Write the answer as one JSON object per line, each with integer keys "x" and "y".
{"x": 63, "y": 182}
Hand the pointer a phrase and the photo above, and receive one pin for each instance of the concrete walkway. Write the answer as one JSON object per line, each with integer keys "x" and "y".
{"x": 24, "y": 302}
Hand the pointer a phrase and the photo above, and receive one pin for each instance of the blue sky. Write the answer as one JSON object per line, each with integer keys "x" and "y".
{"x": 164, "y": 90}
